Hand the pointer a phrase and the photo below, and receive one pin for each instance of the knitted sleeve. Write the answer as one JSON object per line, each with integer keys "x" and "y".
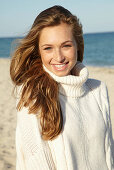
{"x": 20, "y": 161}
{"x": 109, "y": 146}
{"x": 32, "y": 152}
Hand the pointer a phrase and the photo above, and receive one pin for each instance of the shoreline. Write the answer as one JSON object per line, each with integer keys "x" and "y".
{"x": 85, "y": 33}
{"x": 99, "y": 66}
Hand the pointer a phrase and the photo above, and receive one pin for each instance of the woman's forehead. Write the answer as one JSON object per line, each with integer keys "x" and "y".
{"x": 62, "y": 32}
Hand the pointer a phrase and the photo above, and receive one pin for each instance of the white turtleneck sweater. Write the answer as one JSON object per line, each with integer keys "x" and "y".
{"x": 86, "y": 139}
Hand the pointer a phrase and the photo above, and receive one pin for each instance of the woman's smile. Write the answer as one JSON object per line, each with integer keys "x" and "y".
{"x": 60, "y": 67}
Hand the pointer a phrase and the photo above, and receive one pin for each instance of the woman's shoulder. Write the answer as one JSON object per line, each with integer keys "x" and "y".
{"x": 100, "y": 92}
{"x": 97, "y": 86}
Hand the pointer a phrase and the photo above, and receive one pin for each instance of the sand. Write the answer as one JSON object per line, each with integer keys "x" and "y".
{"x": 8, "y": 111}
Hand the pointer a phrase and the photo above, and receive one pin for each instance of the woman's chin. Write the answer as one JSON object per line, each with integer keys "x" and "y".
{"x": 61, "y": 73}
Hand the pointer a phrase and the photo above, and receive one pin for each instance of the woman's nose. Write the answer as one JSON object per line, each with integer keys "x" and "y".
{"x": 58, "y": 56}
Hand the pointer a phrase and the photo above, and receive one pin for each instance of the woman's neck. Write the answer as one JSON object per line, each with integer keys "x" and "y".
{"x": 72, "y": 85}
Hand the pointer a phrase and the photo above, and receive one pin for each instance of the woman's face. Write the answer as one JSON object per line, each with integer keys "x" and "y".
{"x": 58, "y": 49}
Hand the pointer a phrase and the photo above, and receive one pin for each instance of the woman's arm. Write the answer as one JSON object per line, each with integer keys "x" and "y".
{"x": 20, "y": 160}
{"x": 109, "y": 145}
{"x": 100, "y": 92}
{"x": 32, "y": 152}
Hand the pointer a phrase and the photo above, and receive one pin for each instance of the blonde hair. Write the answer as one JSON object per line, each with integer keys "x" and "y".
{"x": 39, "y": 90}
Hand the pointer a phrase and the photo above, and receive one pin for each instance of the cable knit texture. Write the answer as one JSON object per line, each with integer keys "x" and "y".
{"x": 85, "y": 142}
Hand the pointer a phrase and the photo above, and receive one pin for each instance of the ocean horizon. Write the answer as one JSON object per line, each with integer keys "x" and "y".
{"x": 98, "y": 48}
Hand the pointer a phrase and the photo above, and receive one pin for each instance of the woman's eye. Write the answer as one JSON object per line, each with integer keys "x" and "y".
{"x": 47, "y": 48}
{"x": 67, "y": 45}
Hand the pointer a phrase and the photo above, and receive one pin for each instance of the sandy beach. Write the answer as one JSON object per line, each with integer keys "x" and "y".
{"x": 8, "y": 111}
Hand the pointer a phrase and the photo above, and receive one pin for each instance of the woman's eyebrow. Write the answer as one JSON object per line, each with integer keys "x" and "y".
{"x": 67, "y": 41}
{"x": 45, "y": 45}
{"x": 62, "y": 43}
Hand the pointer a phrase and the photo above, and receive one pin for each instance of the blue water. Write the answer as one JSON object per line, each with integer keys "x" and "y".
{"x": 98, "y": 50}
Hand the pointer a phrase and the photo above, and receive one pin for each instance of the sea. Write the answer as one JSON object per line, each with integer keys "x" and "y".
{"x": 98, "y": 48}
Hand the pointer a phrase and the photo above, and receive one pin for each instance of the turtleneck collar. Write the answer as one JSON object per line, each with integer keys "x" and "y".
{"x": 72, "y": 85}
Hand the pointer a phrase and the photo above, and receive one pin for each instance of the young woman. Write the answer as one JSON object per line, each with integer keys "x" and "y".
{"x": 63, "y": 119}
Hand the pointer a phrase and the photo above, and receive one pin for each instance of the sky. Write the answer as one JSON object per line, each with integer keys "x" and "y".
{"x": 17, "y": 16}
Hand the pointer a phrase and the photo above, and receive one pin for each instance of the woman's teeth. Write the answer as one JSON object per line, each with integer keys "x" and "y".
{"x": 60, "y": 66}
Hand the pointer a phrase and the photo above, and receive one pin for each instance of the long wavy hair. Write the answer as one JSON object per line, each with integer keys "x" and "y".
{"x": 39, "y": 92}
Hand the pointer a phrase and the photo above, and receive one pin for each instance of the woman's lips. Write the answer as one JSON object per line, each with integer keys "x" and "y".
{"x": 60, "y": 67}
